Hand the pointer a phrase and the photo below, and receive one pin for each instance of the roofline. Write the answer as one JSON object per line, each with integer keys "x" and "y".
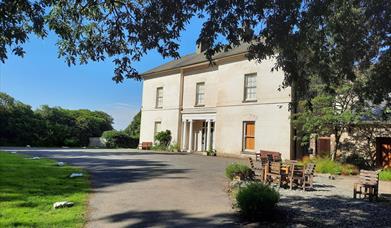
{"x": 193, "y": 65}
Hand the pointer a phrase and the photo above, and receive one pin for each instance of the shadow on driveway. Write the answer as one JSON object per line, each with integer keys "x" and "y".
{"x": 170, "y": 218}
{"x": 109, "y": 168}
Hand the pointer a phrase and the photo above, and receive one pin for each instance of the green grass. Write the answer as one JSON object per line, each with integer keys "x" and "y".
{"x": 326, "y": 165}
{"x": 28, "y": 189}
{"x": 385, "y": 175}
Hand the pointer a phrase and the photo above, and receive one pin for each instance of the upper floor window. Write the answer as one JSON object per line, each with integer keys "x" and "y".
{"x": 200, "y": 93}
{"x": 159, "y": 97}
{"x": 250, "y": 87}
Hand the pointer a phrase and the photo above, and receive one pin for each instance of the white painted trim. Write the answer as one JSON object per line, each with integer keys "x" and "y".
{"x": 199, "y": 116}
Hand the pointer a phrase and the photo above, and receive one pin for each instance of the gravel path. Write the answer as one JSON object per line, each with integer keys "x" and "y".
{"x": 332, "y": 205}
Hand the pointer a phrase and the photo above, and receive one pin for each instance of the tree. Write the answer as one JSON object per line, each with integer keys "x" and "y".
{"x": 17, "y": 122}
{"x": 115, "y": 139}
{"x": 333, "y": 40}
{"x": 48, "y": 126}
{"x": 330, "y": 114}
{"x": 133, "y": 129}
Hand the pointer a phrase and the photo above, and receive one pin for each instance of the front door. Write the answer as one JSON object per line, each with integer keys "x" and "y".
{"x": 384, "y": 152}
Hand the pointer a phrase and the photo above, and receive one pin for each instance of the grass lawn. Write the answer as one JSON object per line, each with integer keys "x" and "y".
{"x": 385, "y": 175}
{"x": 28, "y": 189}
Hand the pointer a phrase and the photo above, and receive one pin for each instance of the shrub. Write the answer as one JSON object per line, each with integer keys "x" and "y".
{"x": 326, "y": 165}
{"x": 159, "y": 147}
{"x": 256, "y": 199}
{"x": 357, "y": 160}
{"x": 116, "y": 139}
{"x": 211, "y": 152}
{"x": 72, "y": 142}
{"x": 163, "y": 138}
{"x": 174, "y": 147}
{"x": 349, "y": 169}
{"x": 243, "y": 171}
{"x": 385, "y": 175}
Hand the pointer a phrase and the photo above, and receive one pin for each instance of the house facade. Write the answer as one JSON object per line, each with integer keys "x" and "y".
{"x": 234, "y": 106}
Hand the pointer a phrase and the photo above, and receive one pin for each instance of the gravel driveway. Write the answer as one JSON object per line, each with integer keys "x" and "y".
{"x": 331, "y": 204}
{"x": 146, "y": 189}
{"x": 143, "y": 189}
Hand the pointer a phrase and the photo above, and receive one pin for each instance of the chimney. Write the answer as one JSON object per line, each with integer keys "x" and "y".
{"x": 201, "y": 47}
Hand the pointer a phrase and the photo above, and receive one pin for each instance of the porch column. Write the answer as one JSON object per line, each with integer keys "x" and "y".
{"x": 184, "y": 135}
{"x": 214, "y": 135}
{"x": 208, "y": 146}
{"x": 190, "y": 147}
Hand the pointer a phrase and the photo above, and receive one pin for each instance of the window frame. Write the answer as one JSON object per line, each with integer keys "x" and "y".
{"x": 245, "y": 136}
{"x": 197, "y": 101}
{"x": 158, "y": 97}
{"x": 246, "y": 87}
{"x": 154, "y": 128}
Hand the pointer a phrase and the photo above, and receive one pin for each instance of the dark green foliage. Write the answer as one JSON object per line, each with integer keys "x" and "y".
{"x": 134, "y": 127}
{"x": 115, "y": 139}
{"x": 163, "y": 138}
{"x": 330, "y": 40}
{"x": 357, "y": 161}
{"x": 48, "y": 126}
{"x": 385, "y": 175}
{"x": 238, "y": 170}
{"x": 256, "y": 200}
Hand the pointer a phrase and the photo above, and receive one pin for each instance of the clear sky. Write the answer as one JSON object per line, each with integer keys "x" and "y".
{"x": 41, "y": 78}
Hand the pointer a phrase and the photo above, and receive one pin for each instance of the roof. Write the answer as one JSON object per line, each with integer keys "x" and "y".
{"x": 195, "y": 58}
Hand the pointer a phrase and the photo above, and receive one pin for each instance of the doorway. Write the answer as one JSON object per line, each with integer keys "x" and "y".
{"x": 383, "y": 152}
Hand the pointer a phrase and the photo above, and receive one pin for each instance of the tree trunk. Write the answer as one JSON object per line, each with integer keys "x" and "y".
{"x": 337, "y": 144}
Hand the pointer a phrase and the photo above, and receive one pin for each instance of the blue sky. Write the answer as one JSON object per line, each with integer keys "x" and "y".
{"x": 41, "y": 78}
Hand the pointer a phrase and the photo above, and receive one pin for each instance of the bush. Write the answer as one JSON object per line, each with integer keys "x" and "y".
{"x": 326, "y": 165}
{"x": 357, "y": 161}
{"x": 116, "y": 139}
{"x": 385, "y": 175}
{"x": 72, "y": 142}
{"x": 243, "y": 171}
{"x": 174, "y": 147}
{"x": 256, "y": 199}
{"x": 163, "y": 138}
{"x": 349, "y": 169}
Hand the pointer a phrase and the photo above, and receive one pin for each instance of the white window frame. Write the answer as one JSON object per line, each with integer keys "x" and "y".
{"x": 159, "y": 98}
{"x": 248, "y": 87}
{"x": 155, "y": 130}
{"x": 199, "y": 94}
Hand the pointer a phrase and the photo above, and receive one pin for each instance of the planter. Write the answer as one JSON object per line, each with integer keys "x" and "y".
{"x": 385, "y": 187}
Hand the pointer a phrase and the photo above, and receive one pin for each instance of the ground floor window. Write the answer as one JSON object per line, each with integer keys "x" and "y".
{"x": 157, "y": 128}
{"x": 248, "y": 135}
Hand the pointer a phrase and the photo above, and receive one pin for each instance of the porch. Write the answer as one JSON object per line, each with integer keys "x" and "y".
{"x": 198, "y": 132}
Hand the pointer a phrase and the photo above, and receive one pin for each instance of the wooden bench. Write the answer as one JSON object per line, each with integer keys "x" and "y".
{"x": 368, "y": 185}
{"x": 146, "y": 145}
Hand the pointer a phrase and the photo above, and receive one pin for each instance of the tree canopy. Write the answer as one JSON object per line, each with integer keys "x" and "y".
{"x": 332, "y": 40}
{"x": 133, "y": 129}
{"x": 48, "y": 126}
